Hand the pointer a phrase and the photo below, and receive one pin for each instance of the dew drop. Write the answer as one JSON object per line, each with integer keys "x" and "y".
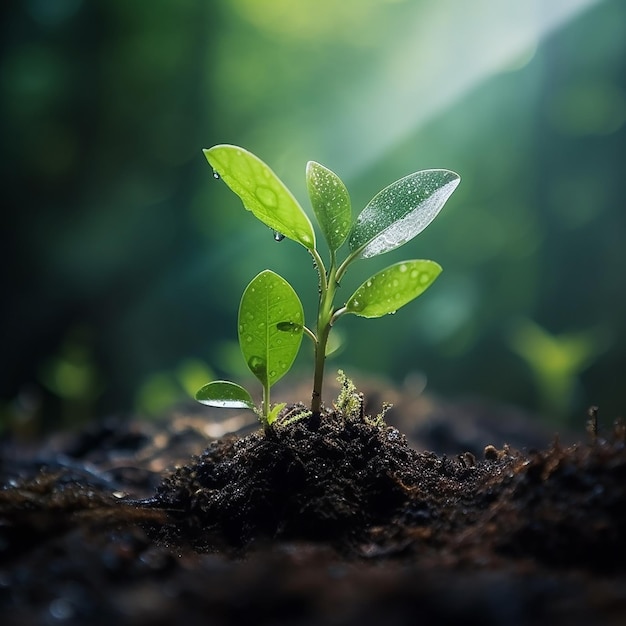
{"x": 414, "y": 274}
{"x": 289, "y": 327}
{"x": 278, "y": 236}
{"x": 257, "y": 365}
{"x": 403, "y": 268}
{"x": 216, "y": 175}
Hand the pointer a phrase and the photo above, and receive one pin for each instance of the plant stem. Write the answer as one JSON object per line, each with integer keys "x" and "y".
{"x": 324, "y": 324}
{"x": 266, "y": 406}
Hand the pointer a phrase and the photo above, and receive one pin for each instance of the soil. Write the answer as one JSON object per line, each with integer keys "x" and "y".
{"x": 339, "y": 521}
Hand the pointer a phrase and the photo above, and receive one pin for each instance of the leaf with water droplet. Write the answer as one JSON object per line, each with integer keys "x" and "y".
{"x": 269, "y": 307}
{"x": 401, "y": 211}
{"x": 262, "y": 192}
{"x": 388, "y": 290}
{"x": 331, "y": 203}
{"x": 289, "y": 327}
{"x": 226, "y": 395}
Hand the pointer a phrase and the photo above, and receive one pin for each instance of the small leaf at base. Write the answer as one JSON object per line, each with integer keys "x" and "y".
{"x": 273, "y": 414}
{"x": 225, "y": 395}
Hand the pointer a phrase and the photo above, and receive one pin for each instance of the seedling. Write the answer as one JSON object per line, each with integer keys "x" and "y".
{"x": 271, "y": 317}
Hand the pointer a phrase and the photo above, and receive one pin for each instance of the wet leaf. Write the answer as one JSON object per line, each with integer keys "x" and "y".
{"x": 262, "y": 192}
{"x": 268, "y": 305}
{"x": 225, "y": 395}
{"x": 388, "y": 290}
{"x": 331, "y": 203}
{"x": 401, "y": 211}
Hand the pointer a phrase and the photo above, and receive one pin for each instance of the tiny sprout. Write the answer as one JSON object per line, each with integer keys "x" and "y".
{"x": 271, "y": 317}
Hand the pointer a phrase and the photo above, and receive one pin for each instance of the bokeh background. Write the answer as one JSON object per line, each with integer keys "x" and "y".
{"x": 123, "y": 260}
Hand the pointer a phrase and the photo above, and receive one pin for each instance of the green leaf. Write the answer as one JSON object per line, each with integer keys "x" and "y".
{"x": 271, "y": 321}
{"x": 393, "y": 287}
{"x": 331, "y": 203}
{"x": 273, "y": 414}
{"x": 262, "y": 192}
{"x": 225, "y": 395}
{"x": 401, "y": 211}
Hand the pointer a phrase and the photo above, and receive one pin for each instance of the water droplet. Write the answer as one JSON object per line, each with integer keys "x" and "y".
{"x": 257, "y": 365}
{"x": 414, "y": 274}
{"x": 249, "y": 338}
{"x": 403, "y": 268}
{"x": 278, "y": 236}
{"x": 289, "y": 327}
{"x": 392, "y": 312}
{"x": 273, "y": 373}
{"x": 216, "y": 175}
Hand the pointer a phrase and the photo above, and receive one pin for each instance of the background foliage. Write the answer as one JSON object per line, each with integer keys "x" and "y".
{"x": 123, "y": 260}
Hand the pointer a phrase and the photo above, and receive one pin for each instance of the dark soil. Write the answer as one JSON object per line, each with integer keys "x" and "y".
{"x": 339, "y": 521}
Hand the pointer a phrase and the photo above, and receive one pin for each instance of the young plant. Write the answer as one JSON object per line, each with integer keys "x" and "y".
{"x": 271, "y": 318}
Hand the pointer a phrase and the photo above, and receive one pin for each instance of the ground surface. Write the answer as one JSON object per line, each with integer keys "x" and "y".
{"x": 338, "y": 522}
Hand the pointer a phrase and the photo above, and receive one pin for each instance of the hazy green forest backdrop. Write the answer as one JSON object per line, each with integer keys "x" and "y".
{"x": 123, "y": 260}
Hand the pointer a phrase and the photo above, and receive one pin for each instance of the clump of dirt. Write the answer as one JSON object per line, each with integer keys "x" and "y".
{"x": 330, "y": 482}
{"x": 361, "y": 488}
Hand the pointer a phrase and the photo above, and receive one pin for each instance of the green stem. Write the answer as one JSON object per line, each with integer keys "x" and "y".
{"x": 266, "y": 406}
{"x": 321, "y": 270}
{"x": 310, "y": 334}
{"x": 324, "y": 324}
{"x": 344, "y": 266}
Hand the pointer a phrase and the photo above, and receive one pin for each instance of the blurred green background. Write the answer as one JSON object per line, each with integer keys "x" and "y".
{"x": 124, "y": 260}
